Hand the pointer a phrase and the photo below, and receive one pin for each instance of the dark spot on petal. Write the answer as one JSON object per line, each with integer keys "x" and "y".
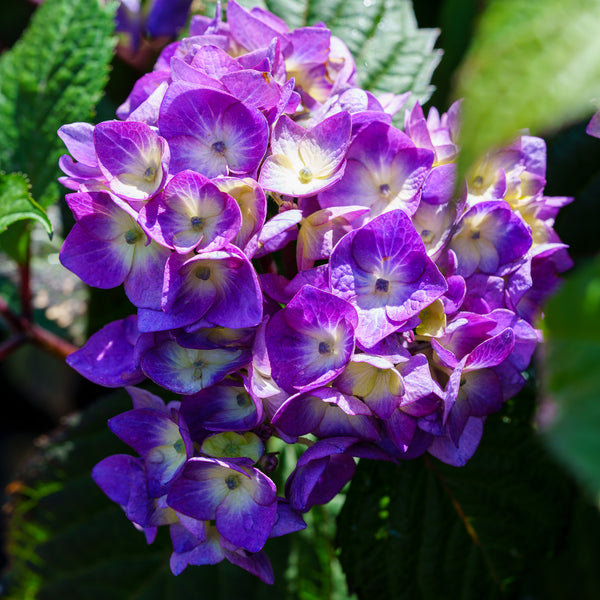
{"x": 324, "y": 348}
{"x": 149, "y": 174}
{"x": 382, "y": 285}
{"x": 179, "y": 446}
{"x": 197, "y": 223}
{"x": 219, "y": 147}
{"x": 384, "y": 190}
{"x": 232, "y": 482}
{"x": 475, "y": 235}
{"x": 203, "y": 273}
{"x": 132, "y": 236}
{"x": 242, "y": 399}
{"x": 427, "y": 235}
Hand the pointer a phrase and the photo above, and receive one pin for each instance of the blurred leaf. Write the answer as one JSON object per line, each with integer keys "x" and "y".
{"x": 392, "y": 54}
{"x": 532, "y": 64}
{"x": 14, "y": 241}
{"x": 424, "y": 530}
{"x": 54, "y": 75}
{"x": 571, "y": 372}
{"x": 68, "y": 540}
{"x": 572, "y": 572}
{"x": 16, "y": 203}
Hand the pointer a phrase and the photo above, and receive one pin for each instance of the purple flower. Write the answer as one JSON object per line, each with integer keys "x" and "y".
{"x": 209, "y": 285}
{"x": 303, "y": 163}
{"x": 593, "y": 127}
{"x": 252, "y": 203}
{"x": 382, "y": 269}
{"x": 241, "y": 500}
{"x": 488, "y": 236}
{"x": 325, "y": 412}
{"x": 222, "y": 407}
{"x": 211, "y": 132}
{"x": 79, "y": 140}
{"x": 375, "y": 380}
{"x": 192, "y": 213}
{"x": 188, "y": 370}
{"x": 108, "y": 357}
{"x": 158, "y": 18}
{"x": 324, "y": 469}
{"x": 132, "y": 157}
{"x": 107, "y": 247}
{"x": 212, "y": 548}
{"x": 384, "y": 171}
{"x": 161, "y": 438}
{"x": 315, "y": 333}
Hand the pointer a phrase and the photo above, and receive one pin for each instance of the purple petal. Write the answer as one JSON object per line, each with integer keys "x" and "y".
{"x": 108, "y": 356}
{"x": 446, "y": 451}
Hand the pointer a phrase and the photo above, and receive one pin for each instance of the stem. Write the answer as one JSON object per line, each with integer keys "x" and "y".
{"x": 52, "y": 343}
{"x": 25, "y": 330}
{"x": 25, "y": 286}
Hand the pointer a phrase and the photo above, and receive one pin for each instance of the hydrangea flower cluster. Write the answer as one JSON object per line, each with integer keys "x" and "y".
{"x": 301, "y": 269}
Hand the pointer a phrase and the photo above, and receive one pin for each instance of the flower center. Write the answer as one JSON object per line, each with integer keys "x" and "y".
{"x": 384, "y": 190}
{"x": 231, "y": 450}
{"x": 324, "y": 348}
{"x": 382, "y": 285}
{"x": 179, "y": 446}
{"x": 132, "y": 236}
{"x": 242, "y": 400}
{"x": 305, "y": 175}
{"x": 475, "y": 235}
{"x": 203, "y": 273}
{"x": 149, "y": 174}
{"x": 427, "y": 236}
{"x": 219, "y": 147}
{"x": 232, "y": 482}
{"x": 197, "y": 223}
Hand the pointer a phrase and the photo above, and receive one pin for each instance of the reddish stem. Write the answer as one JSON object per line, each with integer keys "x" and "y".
{"x": 25, "y": 286}
{"x": 50, "y": 342}
{"x": 25, "y": 330}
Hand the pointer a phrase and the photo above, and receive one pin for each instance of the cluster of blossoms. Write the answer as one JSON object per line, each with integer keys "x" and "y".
{"x": 302, "y": 269}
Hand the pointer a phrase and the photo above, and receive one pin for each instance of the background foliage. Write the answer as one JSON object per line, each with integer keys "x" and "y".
{"x": 519, "y": 521}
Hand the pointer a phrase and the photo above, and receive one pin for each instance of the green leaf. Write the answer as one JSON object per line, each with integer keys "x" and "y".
{"x": 54, "y": 75}
{"x": 572, "y": 378}
{"x": 424, "y": 530}
{"x": 66, "y": 539}
{"x": 532, "y": 64}
{"x": 392, "y": 54}
{"x": 16, "y": 204}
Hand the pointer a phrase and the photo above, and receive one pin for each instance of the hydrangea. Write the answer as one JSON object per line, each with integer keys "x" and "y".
{"x": 301, "y": 269}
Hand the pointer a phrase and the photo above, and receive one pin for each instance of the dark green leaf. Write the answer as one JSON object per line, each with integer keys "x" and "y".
{"x": 424, "y": 530}
{"x": 532, "y": 64}
{"x": 572, "y": 375}
{"x": 54, "y": 75}
{"x": 16, "y": 203}
{"x": 392, "y": 54}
